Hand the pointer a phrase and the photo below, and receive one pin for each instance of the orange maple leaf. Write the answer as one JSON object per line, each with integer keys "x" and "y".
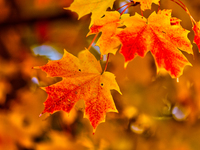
{"x": 196, "y": 30}
{"x": 82, "y": 79}
{"x": 158, "y": 36}
{"x": 108, "y": 26}
{"x": 96, "y": 7}
{"x": 146, "y": 4}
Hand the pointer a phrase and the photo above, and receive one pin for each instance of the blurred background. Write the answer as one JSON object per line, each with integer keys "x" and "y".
{"x": 155, "y": 111}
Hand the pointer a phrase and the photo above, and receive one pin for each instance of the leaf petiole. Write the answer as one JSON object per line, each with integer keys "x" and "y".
{"x": 129, "y": 4}
{"x": 106, "y": 63}
{"x": 123, "y": 6}
{"x": 182, "y": 5}
{"x": 93, "y": 41}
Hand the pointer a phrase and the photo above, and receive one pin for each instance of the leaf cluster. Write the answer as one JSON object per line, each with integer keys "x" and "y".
{"x": 83, "y": 78}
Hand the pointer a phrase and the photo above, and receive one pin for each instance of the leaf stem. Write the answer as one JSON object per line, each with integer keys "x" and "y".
{"x": 182, "y": 5}
{"x": 158, "y": 6}
{"x": 93, "y": 41}
{"x": 123, "y": 6}
{"x": 142, "y": 12}
{"x": 129, "y": 4}
{"x": 106, "y": 63}
{"x": 132, "y": 3}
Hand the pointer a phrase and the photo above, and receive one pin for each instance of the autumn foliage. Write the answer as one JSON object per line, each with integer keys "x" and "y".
{"x": 99, "y": 75}
{"x": 84, "y": 78}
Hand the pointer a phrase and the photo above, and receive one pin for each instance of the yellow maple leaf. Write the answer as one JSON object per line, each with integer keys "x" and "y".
{"x": 96, "y": 7}
{"x": 108, "y": 26}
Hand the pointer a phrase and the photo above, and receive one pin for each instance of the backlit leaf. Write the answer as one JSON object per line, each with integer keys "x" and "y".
{"x": 82, "y": 79}
{"x": 108, "y": 26}
{"x": 96, "y": 7}
{"x": 156, "y": 34}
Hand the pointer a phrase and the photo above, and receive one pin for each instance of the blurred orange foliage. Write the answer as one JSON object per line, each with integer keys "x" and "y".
{"x": 155, "y": 112}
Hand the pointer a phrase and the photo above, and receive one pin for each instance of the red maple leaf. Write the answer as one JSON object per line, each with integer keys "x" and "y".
{"x": 158, "y": 36}
{"x": 82, "y": 79}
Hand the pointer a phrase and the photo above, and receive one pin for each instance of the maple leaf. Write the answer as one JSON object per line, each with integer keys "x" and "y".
{"x": 108, "y": 26}
{"x": 82, "y": 79}
{"x": 146, "y": 4}
{"x": 158, "y": 36}
{"x": 96, "y": 7}
{"x": 196, "y": 30}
